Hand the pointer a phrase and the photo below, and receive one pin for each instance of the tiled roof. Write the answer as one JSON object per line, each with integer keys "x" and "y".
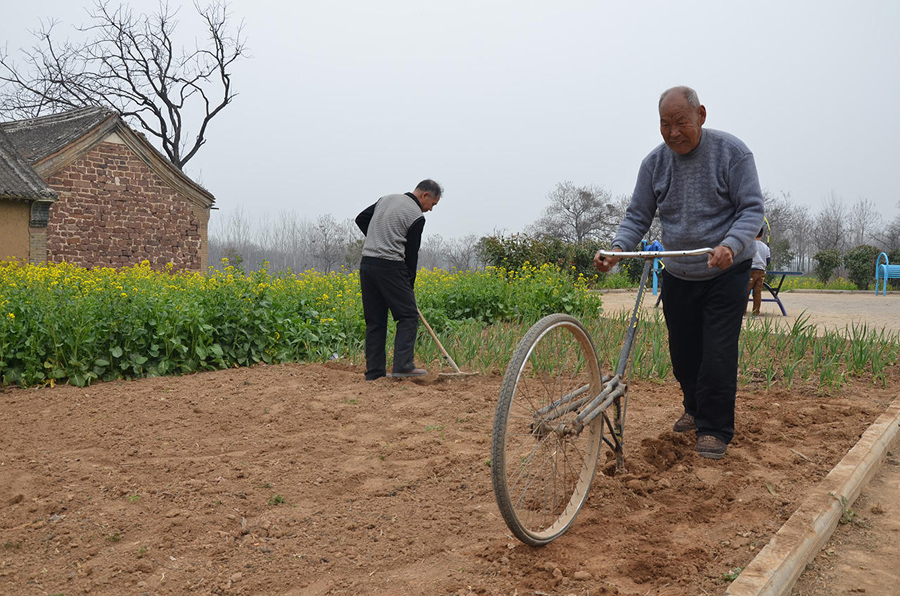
{"x": 17, "y": 178}
{"x": 36, "y": 138}
{"x": 48, "y": 143}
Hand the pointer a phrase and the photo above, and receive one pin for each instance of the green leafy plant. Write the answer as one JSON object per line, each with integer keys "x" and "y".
{"x": 732, "y": 574}
{"x": 860, "y": 264}
{"x": 848, "y": 516}
{"x": 826, "y": 262}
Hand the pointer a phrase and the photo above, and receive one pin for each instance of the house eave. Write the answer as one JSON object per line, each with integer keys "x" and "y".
{"x": 162, "y": 167}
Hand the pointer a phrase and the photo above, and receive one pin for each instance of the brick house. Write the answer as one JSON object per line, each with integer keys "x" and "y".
{"x": 83, "y": 187}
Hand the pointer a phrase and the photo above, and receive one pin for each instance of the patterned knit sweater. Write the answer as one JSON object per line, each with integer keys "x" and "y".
{"x": 710, "y": 196}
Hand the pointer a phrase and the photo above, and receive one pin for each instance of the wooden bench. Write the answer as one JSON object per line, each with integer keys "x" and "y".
{"x": 885, "y": 271}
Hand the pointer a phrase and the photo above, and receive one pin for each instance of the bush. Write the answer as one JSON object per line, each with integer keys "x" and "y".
{"x": 518, "y": 250}
{"x": 860, "y": 264}
{"x": 632, "y": 268}
{"x": 826, "y": 262}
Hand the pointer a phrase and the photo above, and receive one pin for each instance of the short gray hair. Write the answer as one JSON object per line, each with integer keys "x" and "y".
{"x": 430, "y": 186}
{"x": 689, "y": 94}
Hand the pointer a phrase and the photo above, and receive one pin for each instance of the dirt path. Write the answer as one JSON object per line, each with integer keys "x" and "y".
{"x": 826, "y": 310}
{"x": 862, "y": 555}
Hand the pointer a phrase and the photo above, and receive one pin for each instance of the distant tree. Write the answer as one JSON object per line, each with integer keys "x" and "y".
{"x": 329, "y": 242}
{"x": 577, "y": 214}
{"x": 432, "y": 252}
{"x": 462, "y": 253}
{"x": 288, "y": 246}
{"x": 831, "y": 226}
{"x": 889, "y": 235}
{"x": 620, "y": 206}
{"x": 231, "y": 237}
{"x": 353, "y": 247}
{"x": 800, "y": 234}
{"x": 782, "y": 218}
{"x": 130, "y": 64}
{"x": 863, "y": 219}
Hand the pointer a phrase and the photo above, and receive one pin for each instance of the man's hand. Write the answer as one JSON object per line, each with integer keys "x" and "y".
{"x": 722, "y": 257}
{"x": 604, "y": 264}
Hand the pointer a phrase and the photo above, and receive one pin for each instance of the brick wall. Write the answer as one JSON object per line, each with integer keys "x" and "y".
{"x": 37, "y": 245}
{"x": 114, "y": 211}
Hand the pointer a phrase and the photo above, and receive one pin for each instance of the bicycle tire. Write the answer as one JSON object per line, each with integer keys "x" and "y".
{"x": 541, "y": 476}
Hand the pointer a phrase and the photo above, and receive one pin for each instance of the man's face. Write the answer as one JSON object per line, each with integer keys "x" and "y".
{"x": 680, "y": 123}
{"x": 428, "y": 201}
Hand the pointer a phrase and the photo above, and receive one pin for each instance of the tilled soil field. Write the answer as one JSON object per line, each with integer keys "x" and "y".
{"x": 304, "y": 479}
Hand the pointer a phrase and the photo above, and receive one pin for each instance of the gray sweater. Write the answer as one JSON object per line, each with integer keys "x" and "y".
{"x": 708, "y": 197}
{"x": 393, "y": 229}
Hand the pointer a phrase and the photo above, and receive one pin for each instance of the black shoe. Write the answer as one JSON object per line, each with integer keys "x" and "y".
{"x": 711, "y": 447}
{"x": 416, "y": 372}
{"x": 685, "y": 423}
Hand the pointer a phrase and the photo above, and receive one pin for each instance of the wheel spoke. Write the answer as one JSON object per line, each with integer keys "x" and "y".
{"x": 541, "y": 470}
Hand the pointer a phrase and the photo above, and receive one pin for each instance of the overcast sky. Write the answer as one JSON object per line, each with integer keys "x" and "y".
{"x": 345, "y": 101}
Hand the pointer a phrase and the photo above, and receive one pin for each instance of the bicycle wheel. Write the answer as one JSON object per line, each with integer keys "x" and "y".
{"x": 541, "y": 472}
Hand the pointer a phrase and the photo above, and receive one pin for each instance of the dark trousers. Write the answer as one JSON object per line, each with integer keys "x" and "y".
{"x": 704, "y": 321}
{"x": 383, "y": 290}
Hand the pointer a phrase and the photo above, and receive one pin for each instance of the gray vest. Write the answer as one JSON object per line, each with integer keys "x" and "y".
{"x": 386, "y": 237}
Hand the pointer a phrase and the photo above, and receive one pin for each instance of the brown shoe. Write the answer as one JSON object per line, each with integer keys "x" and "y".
{"x": 416, "y": 372}
{"x": 685, "y": 423}
{"x": 711, "y": 447}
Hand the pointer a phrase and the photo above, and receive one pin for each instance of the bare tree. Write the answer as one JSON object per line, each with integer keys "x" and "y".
{"x": 353, "y": 244}
{"x": 888, "y": 236}
{"x": 264, "y": 237}
{"x": 235, "y": 230}
{"x": 288, "y": 245}
{"x": 329, "y": 243}
{"x": 463, "y": 252}
{"x": 800, "y": 228}
{"x": 130, "y": 64}
{"x": 620, "y": 206}
{"x": 432, "y": 252}
{"x": 233, "y": 238}
{"x": 577, "y": 214}
{"x": 783, "y": 219}
{"x": 862, "y": 222}
{"x": 830, "y": 229}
